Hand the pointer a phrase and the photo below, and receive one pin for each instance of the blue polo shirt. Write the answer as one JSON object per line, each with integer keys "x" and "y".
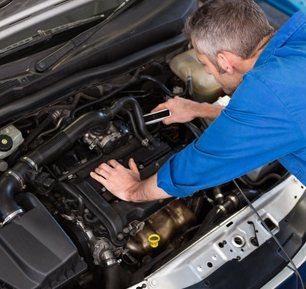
{"x": 265, "y": 121}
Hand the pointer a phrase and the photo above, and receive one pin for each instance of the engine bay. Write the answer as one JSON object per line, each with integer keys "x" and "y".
{"x": 46, "y": 158}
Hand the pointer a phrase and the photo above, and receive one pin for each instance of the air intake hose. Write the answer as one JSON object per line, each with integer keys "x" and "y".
{"x": 15, "y": 180}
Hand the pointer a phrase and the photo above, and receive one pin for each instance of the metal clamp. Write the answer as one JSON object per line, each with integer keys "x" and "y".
{"x": 12, "y": 216}
{"x": 30, "y": 162}
{"x": 17, "y": 177}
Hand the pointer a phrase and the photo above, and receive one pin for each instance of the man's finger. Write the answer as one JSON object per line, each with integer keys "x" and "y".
{"x": 115, "y": 164}
{"x": 168, "y": 120}
{"x": 99, "y": 179}
{"x": 102, "y": 173}
{"x": 105, "y": 167}
{"x": 160, "y": 107}
{"x": 133, "y": 166}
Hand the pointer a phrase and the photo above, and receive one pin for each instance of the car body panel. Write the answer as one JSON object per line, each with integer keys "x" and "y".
{"x": 206, "y": 256}
{"x": 288, "y": 6}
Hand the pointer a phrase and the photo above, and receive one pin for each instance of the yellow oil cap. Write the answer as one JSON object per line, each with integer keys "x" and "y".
{"x": 154, "y": 240}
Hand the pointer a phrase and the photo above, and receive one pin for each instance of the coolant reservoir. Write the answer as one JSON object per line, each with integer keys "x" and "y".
{"x": 206, "y": 88}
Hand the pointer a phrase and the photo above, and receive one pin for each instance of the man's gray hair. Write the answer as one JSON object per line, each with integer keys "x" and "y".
{"x": 237, "y": 26}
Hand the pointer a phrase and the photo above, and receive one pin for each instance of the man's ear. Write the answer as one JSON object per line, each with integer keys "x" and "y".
{"x": 225, "y": 62}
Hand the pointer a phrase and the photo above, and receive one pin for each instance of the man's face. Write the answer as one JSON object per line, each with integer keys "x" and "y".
{"x": 229, "y": 82}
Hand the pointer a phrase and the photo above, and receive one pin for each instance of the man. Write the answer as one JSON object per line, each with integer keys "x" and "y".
{"x": 265, "y": 120}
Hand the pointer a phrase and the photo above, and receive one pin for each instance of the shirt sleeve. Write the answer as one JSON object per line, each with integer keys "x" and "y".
{"x": 253, "y": 130}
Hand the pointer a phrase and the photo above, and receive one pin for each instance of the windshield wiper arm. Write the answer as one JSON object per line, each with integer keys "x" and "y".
{"x": 52, "y": 59}
{"x": 44, "y": 35}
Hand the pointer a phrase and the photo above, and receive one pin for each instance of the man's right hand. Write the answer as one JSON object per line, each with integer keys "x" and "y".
{"x": 185, "y": 110}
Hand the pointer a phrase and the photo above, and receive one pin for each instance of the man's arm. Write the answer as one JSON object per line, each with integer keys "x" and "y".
{"x": 254, "y": 130}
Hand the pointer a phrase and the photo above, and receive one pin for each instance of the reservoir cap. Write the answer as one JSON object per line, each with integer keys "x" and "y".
{"x": 6, "y": 143}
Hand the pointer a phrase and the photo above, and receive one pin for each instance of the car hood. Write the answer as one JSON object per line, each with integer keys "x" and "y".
{"x": 20, "y": 20}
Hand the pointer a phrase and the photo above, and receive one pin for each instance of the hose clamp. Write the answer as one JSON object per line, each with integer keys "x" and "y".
{"x": 18, "y": 178}
{"x": 12, "y": 216}
{"x": 234, "y": 199}
{"x": 222, "y": 208}
{"x": 30, "y": 162}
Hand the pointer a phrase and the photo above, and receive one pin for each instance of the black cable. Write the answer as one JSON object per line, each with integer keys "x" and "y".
{"x": 288, "y": 259}
{"x": 98, "y": 101}
{"x": 162, "y": 86}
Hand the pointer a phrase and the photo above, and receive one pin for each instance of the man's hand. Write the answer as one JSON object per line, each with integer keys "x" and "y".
{"x": 182, "y": 110}
{"x": 185, "y": 110}
{"x": 126, "y": 184}
{"x": 122, "y": 182}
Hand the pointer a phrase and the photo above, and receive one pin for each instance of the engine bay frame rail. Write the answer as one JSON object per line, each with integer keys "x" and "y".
{"x": 220, "y": 246}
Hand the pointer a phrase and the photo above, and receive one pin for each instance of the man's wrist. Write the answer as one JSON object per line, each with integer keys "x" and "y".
{"x": 137, "y": 193}
{"x": 207, "y": 110}
{"x": 147, "y": 190}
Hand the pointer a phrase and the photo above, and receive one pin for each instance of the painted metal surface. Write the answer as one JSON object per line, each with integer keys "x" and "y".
{"x": 206, "y": 255}
{"x": 288, "y": 6}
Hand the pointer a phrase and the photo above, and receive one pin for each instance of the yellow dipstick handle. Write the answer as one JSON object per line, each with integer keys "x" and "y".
{"x": 154, "y": 240}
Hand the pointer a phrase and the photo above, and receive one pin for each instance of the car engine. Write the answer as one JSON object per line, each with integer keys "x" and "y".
{"x": 45, "y": 163}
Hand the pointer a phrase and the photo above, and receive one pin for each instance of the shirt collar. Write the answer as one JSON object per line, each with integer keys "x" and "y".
{"x": 282, "y": 36}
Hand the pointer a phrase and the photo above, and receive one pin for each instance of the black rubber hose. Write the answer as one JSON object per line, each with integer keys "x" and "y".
{"x": 9, "y": 186}
{"x": 137, "y": 113}
{"x": 163, "y": 87}
{"x": 104, "y": 98}
{"x": 11, "y": 183}
{"x": 61, "y": 142}
{"x": 211, "y": 218}
{"x": 134, "y": 126}
{"x": 45, "y": 123}
{"x": 194, "y": 129}
{"x": 219, "y": 212}
{"x": 113, "y": 277}
{"x": 259, "y": 183}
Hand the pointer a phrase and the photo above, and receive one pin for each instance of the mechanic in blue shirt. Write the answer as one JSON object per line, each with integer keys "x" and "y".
{"x": 266, "y": 117}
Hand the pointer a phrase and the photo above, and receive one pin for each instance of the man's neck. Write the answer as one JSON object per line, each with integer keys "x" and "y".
{"x": 248, "y": 64}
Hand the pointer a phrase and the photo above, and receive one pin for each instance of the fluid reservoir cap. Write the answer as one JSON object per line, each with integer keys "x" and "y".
{"x": 154, "y": 240}
{"x": 6, "y": 143}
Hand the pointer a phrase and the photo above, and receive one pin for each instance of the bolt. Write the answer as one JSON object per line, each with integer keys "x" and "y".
{"x": 153, "y": 283}
{"x": 120, "y": 236}
{"x": 254, "y": 242}
{"x": 126, "y": 230}
{"x": 200, "y": 268}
